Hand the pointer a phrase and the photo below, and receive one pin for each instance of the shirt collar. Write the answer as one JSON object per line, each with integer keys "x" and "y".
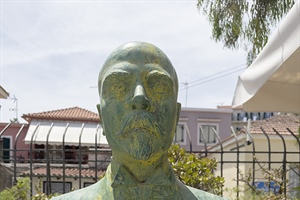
{"x": 118, "y": 175}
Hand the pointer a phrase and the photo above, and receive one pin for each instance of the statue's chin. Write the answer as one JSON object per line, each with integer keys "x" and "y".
{"x": 141, "y": 145}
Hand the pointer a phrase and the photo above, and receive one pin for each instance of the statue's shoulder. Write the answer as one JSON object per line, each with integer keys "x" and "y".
{"x": 94, "y": 191}
{"x": 196, "y": 194}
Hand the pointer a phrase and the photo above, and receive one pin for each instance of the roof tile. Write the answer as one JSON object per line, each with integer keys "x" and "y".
{"x": 74, "y": 114}
{"x": 280, "y": 123}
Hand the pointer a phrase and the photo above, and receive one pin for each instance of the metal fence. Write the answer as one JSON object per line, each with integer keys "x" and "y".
{"x": 52, "y": 163}
{"x": 260, "y": 162}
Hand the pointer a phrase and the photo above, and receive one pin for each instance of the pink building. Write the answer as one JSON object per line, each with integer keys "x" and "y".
{"x": 200, "y": 127}
{"x": 12, "y": 142}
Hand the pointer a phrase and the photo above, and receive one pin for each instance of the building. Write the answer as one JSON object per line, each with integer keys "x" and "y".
{"x": 201, "y": 127}
{"x": 272, "y": 143}
{"x": 58, "y": 147}
{"x": 12, "y": 150}
{"x": 239, "y": 117}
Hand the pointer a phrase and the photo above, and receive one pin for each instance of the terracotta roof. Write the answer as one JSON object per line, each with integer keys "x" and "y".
{"x": 73, "y": 114}
{"x": 69, "y": 172}
{"x": 278, "y": 122}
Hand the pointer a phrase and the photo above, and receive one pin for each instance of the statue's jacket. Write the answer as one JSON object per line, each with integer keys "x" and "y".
{"x": 119, "y": 184}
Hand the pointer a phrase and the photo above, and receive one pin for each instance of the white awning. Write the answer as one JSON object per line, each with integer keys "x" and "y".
{"x": 3, "y": 93}
{"x": 38, "y": 133}
{"x": 272, "y": 82}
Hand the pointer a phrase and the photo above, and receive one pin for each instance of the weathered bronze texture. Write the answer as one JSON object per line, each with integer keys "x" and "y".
{"x": 138, "y": 110}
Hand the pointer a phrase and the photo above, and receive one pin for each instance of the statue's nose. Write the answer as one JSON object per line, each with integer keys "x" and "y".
{"x": 140, "y": 100}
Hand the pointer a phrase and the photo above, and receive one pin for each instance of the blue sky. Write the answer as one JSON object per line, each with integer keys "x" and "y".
{"x": 52, "y": 51}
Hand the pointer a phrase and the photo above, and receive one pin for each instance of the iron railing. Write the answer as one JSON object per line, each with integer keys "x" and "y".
{"x": 65, "y": 156}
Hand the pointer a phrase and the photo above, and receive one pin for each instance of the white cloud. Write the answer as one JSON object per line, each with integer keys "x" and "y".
{"x": 52, "y": 51}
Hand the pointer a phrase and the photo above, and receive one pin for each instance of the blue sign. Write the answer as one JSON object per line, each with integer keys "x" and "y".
{"x": 267, "y": 187}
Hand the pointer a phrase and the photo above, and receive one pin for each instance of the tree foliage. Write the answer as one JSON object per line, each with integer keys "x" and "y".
{"x": 18, "y": 192}
{"x": 244, "y": 23}
{"x": 21, "y": 191}
{"x": 195, "y": 172}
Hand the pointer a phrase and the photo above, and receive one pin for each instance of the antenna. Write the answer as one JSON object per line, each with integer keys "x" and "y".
{"x": 14, "y": 98}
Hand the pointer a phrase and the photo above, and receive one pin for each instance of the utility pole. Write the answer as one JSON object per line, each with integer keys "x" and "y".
{"x": 186, "y": 85}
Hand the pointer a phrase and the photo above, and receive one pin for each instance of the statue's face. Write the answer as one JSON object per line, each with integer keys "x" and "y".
{"x": 138, "y": 107}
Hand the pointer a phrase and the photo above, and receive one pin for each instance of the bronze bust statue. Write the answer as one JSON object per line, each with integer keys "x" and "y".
{"x": 139, "y": 112}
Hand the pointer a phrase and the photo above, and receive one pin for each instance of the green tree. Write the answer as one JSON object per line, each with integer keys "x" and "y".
{"x": 195, "y": 172}
{"x": 244, "y": 23}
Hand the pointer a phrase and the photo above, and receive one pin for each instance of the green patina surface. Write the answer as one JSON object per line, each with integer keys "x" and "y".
{"x": 139, "y": 112}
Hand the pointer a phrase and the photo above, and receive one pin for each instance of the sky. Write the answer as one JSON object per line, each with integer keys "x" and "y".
{"x": 52, "y": 51}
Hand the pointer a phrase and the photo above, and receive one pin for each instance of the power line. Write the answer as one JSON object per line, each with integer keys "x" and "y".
{"x": 203, "y": 80}
{"x": 218, "y": 73}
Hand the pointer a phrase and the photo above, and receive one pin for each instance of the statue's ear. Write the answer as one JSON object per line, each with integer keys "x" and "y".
{"x": 178, "y": 112}
{"x": 99, "y": 113}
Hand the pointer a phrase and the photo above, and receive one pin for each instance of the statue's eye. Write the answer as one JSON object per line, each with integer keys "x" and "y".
{"x": 118, "y": 87}
{"x": 160, "y": 87}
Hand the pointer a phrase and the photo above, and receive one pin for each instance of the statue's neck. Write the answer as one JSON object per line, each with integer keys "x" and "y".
{"x": 143, "y": 169}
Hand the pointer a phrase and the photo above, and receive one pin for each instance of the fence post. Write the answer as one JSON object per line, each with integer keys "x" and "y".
{"x": 30, "y": 152}
{"x": 283, "y": 162}
{"x": 80, "y": 163}
{"x": 97, "y": 135}
{"x": 48, "y": 182}
{"x": 15, "y": 153}
{"x": 221, "y": 154}
{"x": 238, "y": 162}
{"x": 64, "y": 158}
{"x": 269, "y": 155}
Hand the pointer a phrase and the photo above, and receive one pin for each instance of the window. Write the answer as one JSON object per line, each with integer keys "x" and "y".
{"x": 6, "y": 146}
{"x": 206, "y": 133}
{"x": 72, "y": 154}
{"x": 39, "y": 151}
{"x": 239, "y": 117}
{"x": 267, "y": 115}
{"x": 180, "y": 135}
{"x": 57, "y": 187}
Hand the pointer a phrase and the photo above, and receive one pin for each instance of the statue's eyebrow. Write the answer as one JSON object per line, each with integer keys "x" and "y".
{"x": 159, "y": 73}
{"x": 120, "y": 74}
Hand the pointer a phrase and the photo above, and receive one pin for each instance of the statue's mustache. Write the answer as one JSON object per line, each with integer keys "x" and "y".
{"x": 140, "y": 121}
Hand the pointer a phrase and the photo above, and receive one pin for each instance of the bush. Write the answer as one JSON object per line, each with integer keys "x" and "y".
{"x": 194, "y": 171}
{"x": 18, "y": 192}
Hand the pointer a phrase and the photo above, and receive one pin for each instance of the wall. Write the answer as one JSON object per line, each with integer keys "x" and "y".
{"x": 192, "y": 117}
{"x": 11, "y": 132}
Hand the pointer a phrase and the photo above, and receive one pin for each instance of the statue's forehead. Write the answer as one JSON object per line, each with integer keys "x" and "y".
{"x": 137, "y": 65}
{"x": 129, "y": 67}
{"x": 142, "y": 55}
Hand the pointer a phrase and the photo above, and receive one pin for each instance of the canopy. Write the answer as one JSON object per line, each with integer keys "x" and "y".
{"x": 3, "y": 93}
{"x": 91, "y": 134}
{"x": 272, "y": 82}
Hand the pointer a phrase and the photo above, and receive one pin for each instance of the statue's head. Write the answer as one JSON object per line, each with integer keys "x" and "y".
{"x": 138, "y": 107}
